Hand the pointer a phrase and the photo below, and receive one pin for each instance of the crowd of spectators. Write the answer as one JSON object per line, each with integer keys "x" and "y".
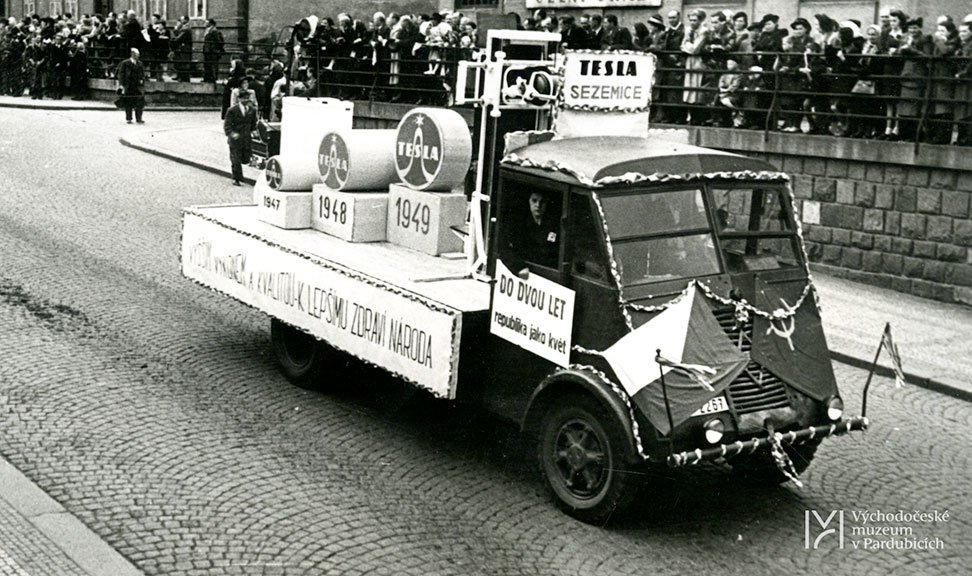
{"x": 896, "y": 79}
{"x": 44, "y": 56}
{"x": 398, "y": 57}
{"x": 891, "y": 80}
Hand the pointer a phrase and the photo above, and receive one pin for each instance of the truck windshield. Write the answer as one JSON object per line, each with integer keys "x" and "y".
{"x": 660, "y": 236}
{"x": 755, "y": 228}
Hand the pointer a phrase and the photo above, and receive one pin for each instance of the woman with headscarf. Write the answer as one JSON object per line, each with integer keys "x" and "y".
{"x": 946, "y": 45}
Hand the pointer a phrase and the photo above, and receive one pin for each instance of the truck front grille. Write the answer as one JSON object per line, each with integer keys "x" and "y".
{"x": 741, "y": 335}
{"x": 756, "y": 388}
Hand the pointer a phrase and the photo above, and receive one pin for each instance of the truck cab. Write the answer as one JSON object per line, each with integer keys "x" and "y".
{"x": 641, "y": 223}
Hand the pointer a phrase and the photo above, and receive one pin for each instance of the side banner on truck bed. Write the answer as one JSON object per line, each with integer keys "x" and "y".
{"x": 399, "y": 331}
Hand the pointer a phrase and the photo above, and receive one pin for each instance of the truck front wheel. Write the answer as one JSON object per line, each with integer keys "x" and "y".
{"x": 580, "y": 452}
{"x": 300, "y": 356}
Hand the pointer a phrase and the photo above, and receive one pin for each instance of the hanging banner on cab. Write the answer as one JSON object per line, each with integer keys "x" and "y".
{"x": 535, "y": 314}
{"x": 608, "y": 81}
{"x": 531, "y": 4}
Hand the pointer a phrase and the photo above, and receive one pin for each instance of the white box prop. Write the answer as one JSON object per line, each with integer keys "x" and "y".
{"x": 306, "y": 120}
{"x": 359, "y": 160}
{"x": 260, "y": 187}
{"x": 423, "y": 220}
{"x": 350, "y": 216}
{"x": 288, "y": 210}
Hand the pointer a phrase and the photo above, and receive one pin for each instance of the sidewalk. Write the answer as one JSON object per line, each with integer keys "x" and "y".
{"x": 66, "y": 103}
{"x": 38, "y": 537}
{"x": 934, "y": 338}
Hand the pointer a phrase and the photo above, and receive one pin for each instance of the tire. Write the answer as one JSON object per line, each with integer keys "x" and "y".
{"x": 761, "y": 468}
{"x": 581, "y": 456}
{"x": 301, "y": 357}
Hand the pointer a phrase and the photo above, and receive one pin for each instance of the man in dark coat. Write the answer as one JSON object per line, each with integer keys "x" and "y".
{"x": 131, "y": 32}
{"x": 213, "y": 49}
{"x": 671, "y": 62}
{"x": 615, "y": 37}
{"x": 181, "y": 45}
{"x": 572, "y": 36}
{"x": 131, "y": 80}
{"x": 239, "y": 123}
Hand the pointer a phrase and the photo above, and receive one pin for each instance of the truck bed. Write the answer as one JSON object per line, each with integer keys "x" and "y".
{"x": 394, "y": 307}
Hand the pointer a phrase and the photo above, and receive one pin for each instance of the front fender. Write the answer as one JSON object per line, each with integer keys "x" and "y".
{"x": 589, "y": 381}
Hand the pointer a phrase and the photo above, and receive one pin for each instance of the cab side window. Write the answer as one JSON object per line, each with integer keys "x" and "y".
{"x": 530, "y": 228}
{"x": 587, "y": 258}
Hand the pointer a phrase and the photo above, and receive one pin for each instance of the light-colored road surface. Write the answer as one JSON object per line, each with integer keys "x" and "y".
{"x": 152, "y": 410}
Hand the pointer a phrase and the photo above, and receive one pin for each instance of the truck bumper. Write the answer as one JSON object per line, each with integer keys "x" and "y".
{"x": 749, "y": 446}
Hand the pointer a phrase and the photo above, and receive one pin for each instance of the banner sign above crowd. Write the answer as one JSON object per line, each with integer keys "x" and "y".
{"x": 532, "y": 4}
{"x": 608, "y": 81}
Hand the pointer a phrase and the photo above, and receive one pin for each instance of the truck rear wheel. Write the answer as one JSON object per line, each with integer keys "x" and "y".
{"x": 580, "y": 452}
{"x": 300, "y": 356}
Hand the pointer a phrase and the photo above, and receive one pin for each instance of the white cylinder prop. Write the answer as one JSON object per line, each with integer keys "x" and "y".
{"x": 433, "y": 149}
{"x": 358, "y": 160}
{"x": 292, "y": 174}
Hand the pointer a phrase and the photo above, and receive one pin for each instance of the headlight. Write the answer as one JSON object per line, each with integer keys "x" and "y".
{"x": 714, "y": 430}
{"x": 835, "y": 408}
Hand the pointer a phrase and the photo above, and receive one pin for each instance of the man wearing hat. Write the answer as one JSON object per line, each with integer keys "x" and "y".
{"x": 239, "y": 123}
{"x": 131, "y": 80}
{"x": 800, "y": 61}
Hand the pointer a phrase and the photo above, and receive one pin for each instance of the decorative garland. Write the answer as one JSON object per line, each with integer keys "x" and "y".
{"x": 782, "y": 459}
{"x": 635, "y": 429}
{"x": 615, "y": 270}
{"x": 515, "y": 159}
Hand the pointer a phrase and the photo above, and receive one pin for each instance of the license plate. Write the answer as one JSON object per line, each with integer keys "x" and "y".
{"x": 717, "y": 404}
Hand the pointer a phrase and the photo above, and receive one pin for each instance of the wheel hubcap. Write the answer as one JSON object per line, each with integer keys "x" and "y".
{"x": 580, "y": 459}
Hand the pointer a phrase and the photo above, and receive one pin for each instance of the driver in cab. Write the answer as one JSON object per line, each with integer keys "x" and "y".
{"x": 535, "y": 239}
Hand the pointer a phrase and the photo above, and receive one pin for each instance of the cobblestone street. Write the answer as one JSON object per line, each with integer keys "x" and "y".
{"x": 152, "y": 410}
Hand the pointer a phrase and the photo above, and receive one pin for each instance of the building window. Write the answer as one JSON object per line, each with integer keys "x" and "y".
{"x": 160, "y": 7}
{"x": 30, "y": 7}
{"x": 55, "y": 8}
{"x": 197, "y": 9}
{"x": 476, "y": 4}
{"x": 71, "y": 7}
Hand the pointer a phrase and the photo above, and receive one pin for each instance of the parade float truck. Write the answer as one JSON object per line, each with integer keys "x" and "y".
{"x": 629, "y": 299}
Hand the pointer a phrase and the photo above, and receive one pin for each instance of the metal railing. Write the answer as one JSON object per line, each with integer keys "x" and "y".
{"x": 918, "y": 98}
